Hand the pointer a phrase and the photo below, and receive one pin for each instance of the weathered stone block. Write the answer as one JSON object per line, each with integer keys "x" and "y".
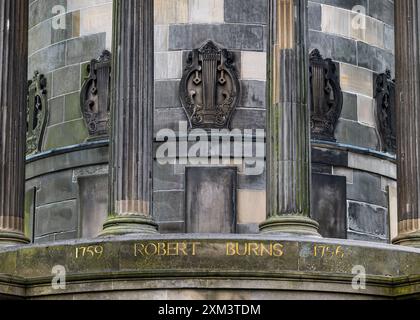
{"x": 251, "y": 206}
{"x": 329, "y": 205}
{"x": 56, "y": 218}
{"x": 349, "y": 111}
{"x": 367, "y": 219}
{"x": 254, "y": 65}
{"x": 232, "y": 36}
{"x": 367, "y": 188}
{"x": 211, "y": 200}
{"x": 48, "y": 59}
{"x": 66, "y": 80}
{"x": 253, "y": 94}
{"x": 56, "y": 108}
{"x": 165, "y": 177}
{"x": 249, "y": 119}
{"x": 93, "y": 199}
{"x": 85, "y": 48}
{"x": 251, "y": 11}
{"x": 206, "y": 11}
{"x": 353, "y": 133}
{"x": 39, "y": 37}
{"x": 314, "y": 16}
{"x": 56, "y": 187}
{"x": 168, "y": 206}
{"x": 167, "y": 94}
{"x": 66, "y": 134}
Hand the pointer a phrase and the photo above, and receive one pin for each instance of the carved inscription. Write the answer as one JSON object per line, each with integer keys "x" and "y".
{"x": 325, "y": 251}
{"x": 166, "y": 249}
{"x": 254, "y": 249}
{"x": 229, "y": 249}
{"x": 89, "y": 252}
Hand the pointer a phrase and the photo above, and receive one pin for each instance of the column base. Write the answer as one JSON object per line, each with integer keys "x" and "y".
{"x": 408, "y": 240}
{"x": 290, "y": 224}
{"x": 124, "y": 225}
{"x": 10, "y": 238}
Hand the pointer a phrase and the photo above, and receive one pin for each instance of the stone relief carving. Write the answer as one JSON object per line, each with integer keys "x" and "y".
{"x": 95, "y": 96}
{"x": 385, "y": 111}
{"x": 210, "y": 88}
{"x": 326, "y": 97}
{"x": 37, "y": 113}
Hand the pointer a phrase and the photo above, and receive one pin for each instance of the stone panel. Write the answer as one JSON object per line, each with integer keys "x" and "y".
{"x": 349, "y": 111}
{"x": 371, "y": 220}
{"x": 367, "y": 188}
{"x": 56, "y": 218}
{"x": 253, "y": 94}
{"x": 56, "y": 187}
{"x": 66, "y": 80}
{"x": 168, "y": 206}
{"x": 206, "y": 11}
{"x": 93, "y": 198}
{"x": 353, "y": 133}
{"x": 85, "y": 48}
{"x": 167, "y": 94}
{"x": 66, "y": 134}
{"x": 329, "y": 207}
{"x": 211, "y": 200}
{"x": 251, "y": 207}
{"x": 314, "y": 16}
{"x": 231, "y": 36}
{"x": 251, "y": 11}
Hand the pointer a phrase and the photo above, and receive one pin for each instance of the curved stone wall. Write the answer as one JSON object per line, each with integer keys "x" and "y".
{"x": 359, "y": 37}
{"x": 351, "y": 177}
{"x": 63, "y": 36}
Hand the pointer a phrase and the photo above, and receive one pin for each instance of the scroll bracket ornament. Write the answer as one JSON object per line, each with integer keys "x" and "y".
{"x": 37, "y": 113}
{"x": 95, "y": 97}
{"x": 326, "y": 97}
{"x": 385, "y": 111}
{"x": 210, "y": 88}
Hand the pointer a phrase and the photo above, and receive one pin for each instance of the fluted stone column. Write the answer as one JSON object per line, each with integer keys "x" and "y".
{"x": 13, "y": 88}
{"x": 407, "y": 52}
{"x": 131, "y": 161}
{"x": 288, "y": 136}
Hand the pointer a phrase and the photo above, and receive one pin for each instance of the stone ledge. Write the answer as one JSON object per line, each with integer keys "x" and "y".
{"x": 274, "y": 266}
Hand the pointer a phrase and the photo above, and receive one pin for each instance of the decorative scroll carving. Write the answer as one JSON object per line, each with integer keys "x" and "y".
{"x": 385, "y": 111}
{"x": 326, "y": 97}
{"x": 37, "y": 113}
{"x": 210, "y": 88}
{"x": 94, "y": 96}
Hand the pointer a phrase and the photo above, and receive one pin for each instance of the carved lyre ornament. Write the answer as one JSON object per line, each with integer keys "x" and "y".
{"x": 326, "y": 97}
{"x": 385, "y": 111}
{"x": 95, "y": 97}
{"x": 37, "y": 113}
{"x": 210, "y": 88}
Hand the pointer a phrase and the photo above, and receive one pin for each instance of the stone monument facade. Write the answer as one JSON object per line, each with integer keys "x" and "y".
{"x": 238, "y": 140}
